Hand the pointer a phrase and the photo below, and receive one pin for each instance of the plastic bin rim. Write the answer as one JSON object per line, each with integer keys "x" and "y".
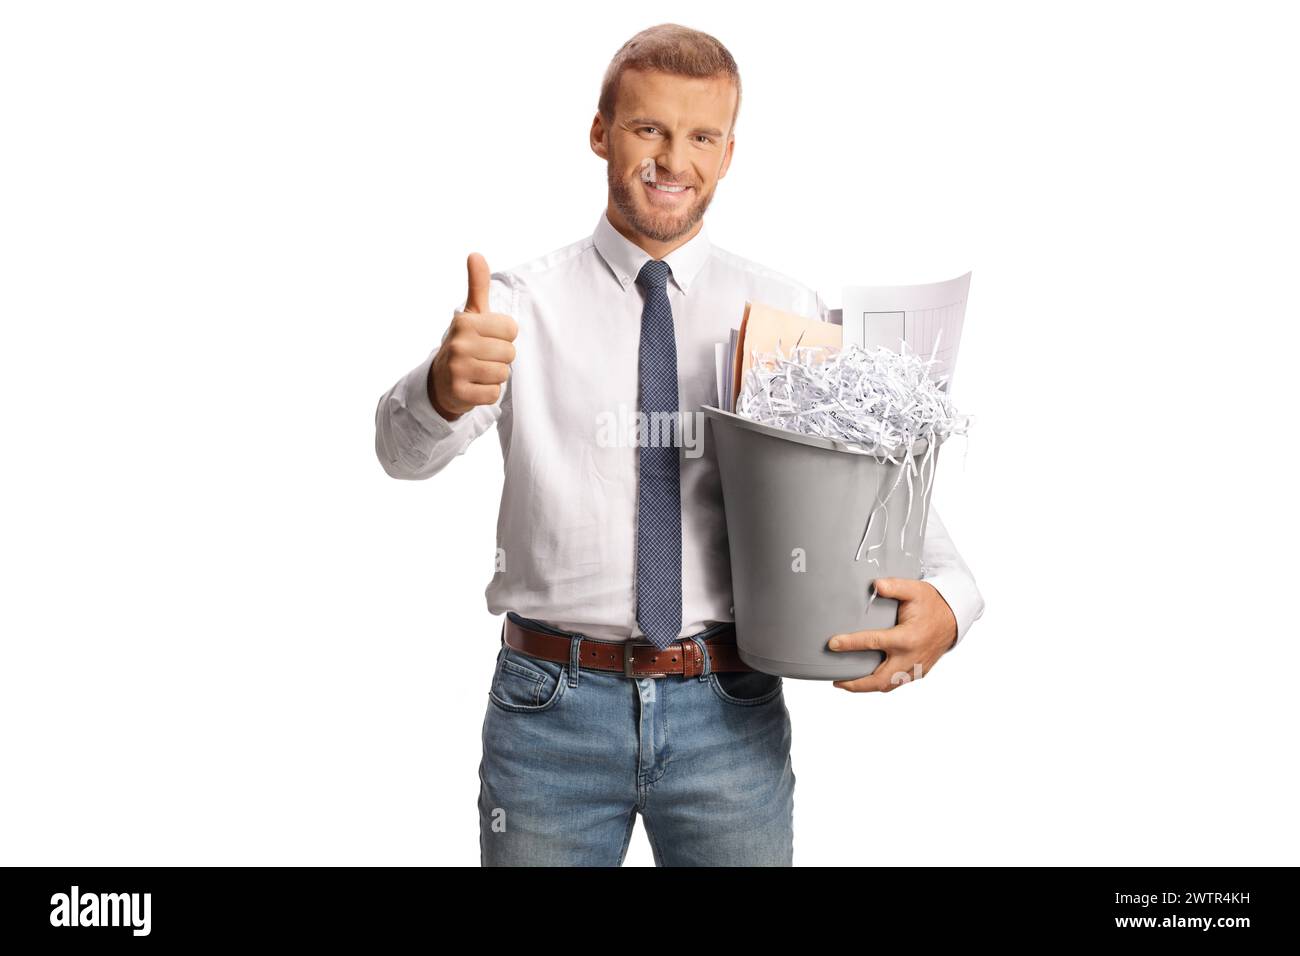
{"x": 918, "y": 447}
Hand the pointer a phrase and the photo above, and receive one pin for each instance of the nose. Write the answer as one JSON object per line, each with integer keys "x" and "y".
{"x": 674, "y": 159}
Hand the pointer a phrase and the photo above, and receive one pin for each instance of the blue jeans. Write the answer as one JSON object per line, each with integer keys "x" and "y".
{"x": 571, "y": 756}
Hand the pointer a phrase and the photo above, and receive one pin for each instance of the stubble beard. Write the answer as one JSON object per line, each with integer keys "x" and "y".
{"x": 661, "y": 226}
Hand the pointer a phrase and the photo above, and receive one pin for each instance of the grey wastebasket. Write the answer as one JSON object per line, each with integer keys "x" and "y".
{"x": 796, "y": 509}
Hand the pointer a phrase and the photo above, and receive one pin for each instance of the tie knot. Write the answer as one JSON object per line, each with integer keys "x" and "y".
{"x": 654, "y": 274}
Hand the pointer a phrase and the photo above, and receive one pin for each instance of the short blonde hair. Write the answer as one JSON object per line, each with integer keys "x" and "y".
{"x": 669, "y": 48}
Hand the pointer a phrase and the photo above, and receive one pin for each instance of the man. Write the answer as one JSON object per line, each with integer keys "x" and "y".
{"x": 617, "y": 688}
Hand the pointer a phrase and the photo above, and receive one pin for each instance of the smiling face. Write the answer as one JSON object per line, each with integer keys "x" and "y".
{"x": 683, "y": 126}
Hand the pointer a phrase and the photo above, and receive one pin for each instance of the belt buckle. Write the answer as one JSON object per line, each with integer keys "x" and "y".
{"x": 627, "y": 658}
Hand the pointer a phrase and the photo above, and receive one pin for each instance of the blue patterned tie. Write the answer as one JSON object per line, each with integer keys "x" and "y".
{"x": 659, "y": 492}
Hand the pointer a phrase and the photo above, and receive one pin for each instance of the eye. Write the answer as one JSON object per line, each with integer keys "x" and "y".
{"x": 650, "y": 127}
{"x": 704, "y": 136}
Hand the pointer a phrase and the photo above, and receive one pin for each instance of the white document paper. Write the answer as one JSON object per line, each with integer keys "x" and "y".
{"x": 921, "y": 315}
{"x": 720, "y": 359}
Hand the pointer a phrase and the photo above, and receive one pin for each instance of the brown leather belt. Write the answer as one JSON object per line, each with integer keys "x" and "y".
{"x": 630, "y": 658}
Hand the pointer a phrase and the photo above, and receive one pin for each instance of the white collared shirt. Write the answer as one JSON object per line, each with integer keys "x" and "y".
{"x": 567, "y": 524}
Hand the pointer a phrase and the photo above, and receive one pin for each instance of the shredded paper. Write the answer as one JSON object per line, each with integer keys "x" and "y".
{"x": 875, "y": 399}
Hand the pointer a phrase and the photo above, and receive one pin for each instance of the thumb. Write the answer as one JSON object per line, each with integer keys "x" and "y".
{"x": 904, "y": 588}
{"x": 480, "y": 279}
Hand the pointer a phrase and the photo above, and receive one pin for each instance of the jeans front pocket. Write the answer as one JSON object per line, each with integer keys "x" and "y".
{"x": 746, "y": 688}
{"x": 526, "y": 685}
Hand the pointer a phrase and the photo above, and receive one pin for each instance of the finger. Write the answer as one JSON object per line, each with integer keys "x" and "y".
{"x": 905, "y": 588}
{"x": 890, "y": 674}
{"x": 494, "y": 350}
{"x": 477, "y": 394}
{"x": 878, "y": 639}
{"x": 494, "y": 325}
{"x": 860, "y": 685}
{"x": 488, "y": 373}
{"x": 480, "y": 280}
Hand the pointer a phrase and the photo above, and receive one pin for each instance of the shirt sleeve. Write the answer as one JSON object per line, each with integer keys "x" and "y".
{"x": 412, "y": 440}
{"x": 944, "y": 568}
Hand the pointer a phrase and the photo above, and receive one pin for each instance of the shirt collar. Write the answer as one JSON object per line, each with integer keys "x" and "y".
{"x": 625, "y": 258}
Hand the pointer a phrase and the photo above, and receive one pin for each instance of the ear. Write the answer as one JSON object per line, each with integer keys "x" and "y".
{"x": 726, "y": 159}
{"x": 598, "y": 134}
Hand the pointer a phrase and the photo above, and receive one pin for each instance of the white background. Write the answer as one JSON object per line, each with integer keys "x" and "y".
{"x": 227, "y": 228}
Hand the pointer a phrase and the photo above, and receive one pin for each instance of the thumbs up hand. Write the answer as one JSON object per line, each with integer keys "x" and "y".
{"x": 474, "y": 359}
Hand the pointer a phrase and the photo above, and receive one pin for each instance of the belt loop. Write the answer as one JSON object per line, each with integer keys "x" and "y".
{"x": 575, "y": 654}
{"x": 704, "y": 651}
